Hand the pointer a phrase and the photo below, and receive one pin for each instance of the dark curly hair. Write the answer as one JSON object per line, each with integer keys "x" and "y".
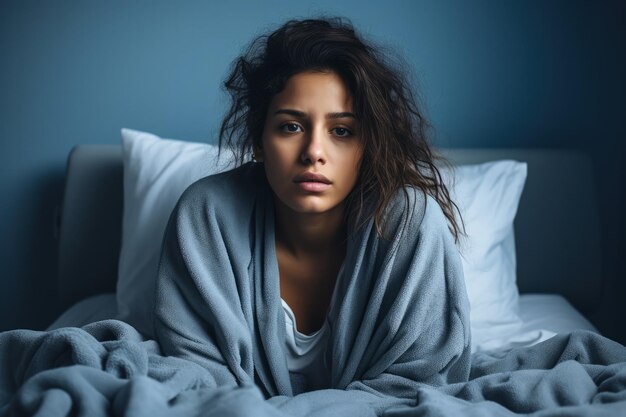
{"x": 393, "y": 130}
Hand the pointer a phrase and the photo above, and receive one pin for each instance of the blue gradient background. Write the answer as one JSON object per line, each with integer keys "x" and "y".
{"x": 491, "y": 74}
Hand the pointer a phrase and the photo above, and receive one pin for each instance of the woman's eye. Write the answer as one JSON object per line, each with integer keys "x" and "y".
{"x": 290, "y": 127}
{"x": 342, "y": 132}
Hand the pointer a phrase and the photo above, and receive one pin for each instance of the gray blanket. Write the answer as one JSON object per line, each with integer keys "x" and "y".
{"x": 399, "y": 332}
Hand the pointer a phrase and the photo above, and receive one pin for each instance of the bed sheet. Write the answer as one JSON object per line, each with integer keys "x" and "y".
{"x": 542, "y": 317}
{"x": 91, "y": 309}
{"x": 551, "y": 312}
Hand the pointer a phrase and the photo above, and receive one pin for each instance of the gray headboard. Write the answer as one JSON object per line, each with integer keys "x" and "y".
{"x": 91, "y": 222}
{"x": 556, "y": 229}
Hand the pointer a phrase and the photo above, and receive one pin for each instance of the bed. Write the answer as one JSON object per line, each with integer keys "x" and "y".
{"x": 533, "y": 254}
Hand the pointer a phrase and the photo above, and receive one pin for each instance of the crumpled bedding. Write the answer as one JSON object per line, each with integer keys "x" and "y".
{"x": 107, "y": 368}
{"x": 399, "y": 340}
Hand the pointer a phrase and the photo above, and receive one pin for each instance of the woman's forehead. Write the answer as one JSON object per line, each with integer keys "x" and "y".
{"x": 313, "y": 92}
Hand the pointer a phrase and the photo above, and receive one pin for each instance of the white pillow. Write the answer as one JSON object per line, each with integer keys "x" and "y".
{"x": 156, "y": 172}
{"x": 488, "y": 195}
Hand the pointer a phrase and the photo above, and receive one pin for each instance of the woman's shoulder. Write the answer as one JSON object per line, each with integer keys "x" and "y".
{"x": 417, "y": 207}
{"x": 225, "y": 190}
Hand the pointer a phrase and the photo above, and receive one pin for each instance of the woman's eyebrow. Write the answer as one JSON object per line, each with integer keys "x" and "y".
{"x": 303, "y": 115}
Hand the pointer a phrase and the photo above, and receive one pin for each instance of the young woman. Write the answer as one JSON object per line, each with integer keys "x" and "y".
{"x": 328, "y": 262}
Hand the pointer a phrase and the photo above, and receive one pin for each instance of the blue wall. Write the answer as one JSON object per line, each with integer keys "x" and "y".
{"x": 491, "y": 73}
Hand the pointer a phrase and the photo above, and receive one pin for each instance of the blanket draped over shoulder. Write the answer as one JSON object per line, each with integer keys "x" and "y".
{"x": 399, "y": 342}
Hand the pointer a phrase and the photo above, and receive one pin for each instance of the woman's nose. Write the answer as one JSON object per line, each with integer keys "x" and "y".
{"x": 314, "y": 151}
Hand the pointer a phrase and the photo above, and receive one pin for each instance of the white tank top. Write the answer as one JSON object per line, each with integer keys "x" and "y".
{"x": 305, "y": 359}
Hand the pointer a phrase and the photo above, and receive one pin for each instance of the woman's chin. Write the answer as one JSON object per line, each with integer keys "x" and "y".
{"x": 309, "y": 205}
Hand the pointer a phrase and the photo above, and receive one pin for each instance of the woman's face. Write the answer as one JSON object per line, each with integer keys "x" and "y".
{"x": 310, "y": 128}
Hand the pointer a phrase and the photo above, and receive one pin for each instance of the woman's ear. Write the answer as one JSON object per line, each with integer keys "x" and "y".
{"x": 257, "y": 153}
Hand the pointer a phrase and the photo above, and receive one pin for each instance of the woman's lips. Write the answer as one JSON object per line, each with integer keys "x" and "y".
{"x": 313, "y": 186}
{"x": 314, "y": 182}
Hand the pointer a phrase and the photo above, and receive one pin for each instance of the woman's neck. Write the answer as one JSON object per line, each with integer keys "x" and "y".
{"x": 305, "y": 234}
